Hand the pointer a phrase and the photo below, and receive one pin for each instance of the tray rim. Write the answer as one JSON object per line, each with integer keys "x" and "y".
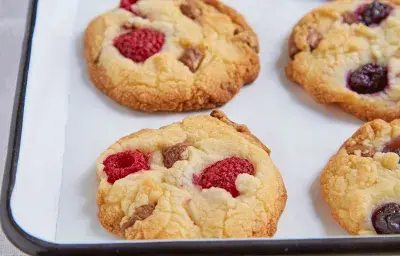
{"x": 34, "y": 246}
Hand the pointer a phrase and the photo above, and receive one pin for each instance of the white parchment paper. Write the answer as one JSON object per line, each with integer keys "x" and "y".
{"x": 302, "y": 134}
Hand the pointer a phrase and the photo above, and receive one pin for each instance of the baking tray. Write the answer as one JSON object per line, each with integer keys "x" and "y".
{"x": 61, "y": 123}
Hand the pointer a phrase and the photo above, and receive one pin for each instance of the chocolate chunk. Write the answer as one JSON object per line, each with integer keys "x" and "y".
{"x": 237, "y": 31}
{"x": 350, "y": 18}
{"x": 392, "y": 146}
{"x": 174, "y": 153}
{"x": 141, "y": 213}
{"x": 128, "y": 25}
{"x": 365, "y": 150}
{"x": 314, "y": 38}
{"x": 97, "y": 59}
{"x": 192, "y": 58}
{"x": 293, "y": 49}
{"x": 190, "y": 9}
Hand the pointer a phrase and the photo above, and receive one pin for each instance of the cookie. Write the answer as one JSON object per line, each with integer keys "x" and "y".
{"x": 205, "y": 177}
{"x": 347, "y": 52}
{"x": 361, "y": 183}
{"x": 171, "y": 55}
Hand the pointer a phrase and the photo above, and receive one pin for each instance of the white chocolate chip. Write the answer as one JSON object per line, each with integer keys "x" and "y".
{"x": 390, "y": 161}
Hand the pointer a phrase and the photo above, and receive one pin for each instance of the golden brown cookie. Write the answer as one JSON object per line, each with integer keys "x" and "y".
{"x": 171, "y": 55}
{"x": 205, "y": 177}
{"x": 347, "y": 52}
{"x": 361, "y": 183}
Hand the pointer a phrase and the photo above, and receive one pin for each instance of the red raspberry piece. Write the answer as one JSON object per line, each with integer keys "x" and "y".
{"x": 140, "y": 44}
{"x": 122, "y": 164}
{"x": 223, "y": 174}
{"x": 127, "y": 4}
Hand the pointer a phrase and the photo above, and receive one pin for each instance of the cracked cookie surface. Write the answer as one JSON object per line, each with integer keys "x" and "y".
{"x": 347, "y": 52}
{"x": 207, "y": 178}
{"x": 171, "y": 55}
{"x": 361, "y": 183}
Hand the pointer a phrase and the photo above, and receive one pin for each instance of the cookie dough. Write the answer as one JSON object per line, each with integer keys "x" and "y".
{"x": 347, "y": 52}
{"x": 171, "y": 55}
{"x": 205, "y": 177}
{"x": 361, "y": 183}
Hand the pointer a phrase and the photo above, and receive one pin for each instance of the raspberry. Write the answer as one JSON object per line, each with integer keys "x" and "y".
{"x": 370, "y": 78}
{"x": 140, "y": 44}
{"x": 386, "y": 219}
{"x": 127, "y": 4}
{"x": 223, "y": 174}
{"x": 122, "y": 164}
{"x": 374, "y": 13}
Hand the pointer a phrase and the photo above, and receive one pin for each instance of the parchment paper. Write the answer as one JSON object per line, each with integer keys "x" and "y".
{"x": 302, "y": 134}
